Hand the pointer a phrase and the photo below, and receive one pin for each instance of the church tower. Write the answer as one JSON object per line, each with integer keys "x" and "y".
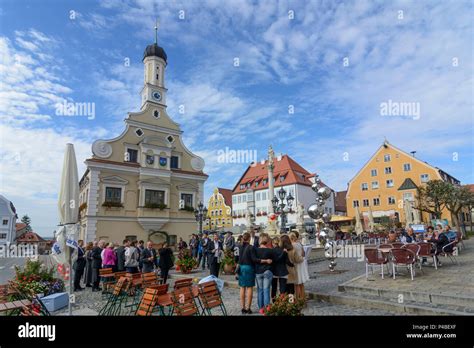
{"x": 154, "y": 61}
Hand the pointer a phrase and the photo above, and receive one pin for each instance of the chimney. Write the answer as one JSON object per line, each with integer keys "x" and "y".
{"x": 413, "y": 153}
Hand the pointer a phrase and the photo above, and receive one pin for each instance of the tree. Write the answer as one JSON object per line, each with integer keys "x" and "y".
{"x": 27, "y": 221}
{"x": 431, "y": 198}
{"x": 456, "y": 198}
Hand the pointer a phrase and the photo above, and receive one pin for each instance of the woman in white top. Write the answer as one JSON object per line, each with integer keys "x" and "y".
{"x": 301, "y": 268}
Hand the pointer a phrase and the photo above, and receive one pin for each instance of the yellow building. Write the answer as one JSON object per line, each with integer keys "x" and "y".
{"x": 144, "y": 183}
{"x": 219, "y": 211}
{"x": 388, "y": 180}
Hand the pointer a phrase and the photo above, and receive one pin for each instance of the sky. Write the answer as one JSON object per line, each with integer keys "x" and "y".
{"x": 308, "y": 77}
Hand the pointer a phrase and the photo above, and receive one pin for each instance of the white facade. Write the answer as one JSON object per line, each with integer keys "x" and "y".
{"x": 257, "y": 201}
{"x": 8, "y": 221}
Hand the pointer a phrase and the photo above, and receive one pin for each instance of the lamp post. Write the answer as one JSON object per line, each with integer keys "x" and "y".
{"x": 201, "y": 215}
{"x": 279, "y": 207}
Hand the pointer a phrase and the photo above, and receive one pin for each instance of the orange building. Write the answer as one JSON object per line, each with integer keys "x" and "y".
{"x": 388, "y": 180}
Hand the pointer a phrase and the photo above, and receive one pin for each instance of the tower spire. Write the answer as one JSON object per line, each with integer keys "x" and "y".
{"x": 156, "y": 31}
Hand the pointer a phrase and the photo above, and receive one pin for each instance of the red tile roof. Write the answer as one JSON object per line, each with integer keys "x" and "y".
{"x": 30, "y": 237}
{"x": 285, "y": 167}
{"x": 227, "y": 194}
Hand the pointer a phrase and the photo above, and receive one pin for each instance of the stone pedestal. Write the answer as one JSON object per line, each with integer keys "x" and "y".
{"x": 271, "y": 228}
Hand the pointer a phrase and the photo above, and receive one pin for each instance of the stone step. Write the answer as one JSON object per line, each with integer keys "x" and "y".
{"x": 406, "y": 308}
{"x": 407, "y": 295}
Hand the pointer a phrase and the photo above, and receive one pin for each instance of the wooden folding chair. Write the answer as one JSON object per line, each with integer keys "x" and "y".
{"x": 147, "y": 303}
{"x": 115, "y": 300}
{"x": 183, "y": 302}
{"x": 210, "y": 298}
{"x": 181, "y": 283}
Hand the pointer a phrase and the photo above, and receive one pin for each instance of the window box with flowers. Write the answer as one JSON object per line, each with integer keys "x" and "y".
{"x": 187, "y": 208}
{"x": 110, "y": 204}
{"x": 239, "y": 216}
{"x": 160, "y": 206}
{"x": 264, "y": 213}
{"x": 259, "y": 214}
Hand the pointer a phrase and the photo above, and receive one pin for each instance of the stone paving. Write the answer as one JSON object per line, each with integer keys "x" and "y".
{"x": 449, "y": 280}
{"x": 90, "y": 303}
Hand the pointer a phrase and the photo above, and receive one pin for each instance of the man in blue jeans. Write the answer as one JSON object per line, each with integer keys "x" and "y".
{"x": 204, "y": 244}
{"x": 263, "y": 272}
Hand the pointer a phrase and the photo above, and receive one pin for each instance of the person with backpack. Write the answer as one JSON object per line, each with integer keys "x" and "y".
{"x": 132, "y": 258}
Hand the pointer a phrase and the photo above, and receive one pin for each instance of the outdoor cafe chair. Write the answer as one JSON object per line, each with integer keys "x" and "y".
{"x": 416, "y": 250}
{"x": 403, "y": 257}
{"x": 397, "y": 245}
{"x": 183, "y": 302}
{"x": 426, "y": 250}
{"x": 374, "y": 257}
{"x": 449, "y": 251}
{"x": 210, "y": 297}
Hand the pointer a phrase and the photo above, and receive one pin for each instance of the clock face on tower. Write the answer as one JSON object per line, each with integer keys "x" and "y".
{"x": 156, "y": 95}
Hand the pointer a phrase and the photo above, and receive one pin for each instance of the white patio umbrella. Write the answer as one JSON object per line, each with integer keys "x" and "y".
{"x": 371, "y": 221}
{"x": 408, "y": 210}
{"x": 358, "y": 226}
{"x": 68, "y": 205}
{"x": 416, "y": 216}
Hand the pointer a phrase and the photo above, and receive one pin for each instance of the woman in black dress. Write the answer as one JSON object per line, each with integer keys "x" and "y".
{"x": 165, "y": 262}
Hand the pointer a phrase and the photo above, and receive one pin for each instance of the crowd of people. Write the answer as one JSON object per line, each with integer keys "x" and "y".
{"x": 273, "y": 265}
{"x": 131, "y": 257}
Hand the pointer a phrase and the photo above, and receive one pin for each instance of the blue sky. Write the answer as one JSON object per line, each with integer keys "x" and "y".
{"x": 290, "y": 53}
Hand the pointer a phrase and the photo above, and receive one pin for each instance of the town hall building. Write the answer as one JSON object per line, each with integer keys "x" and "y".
{"x": 144, "y": 183}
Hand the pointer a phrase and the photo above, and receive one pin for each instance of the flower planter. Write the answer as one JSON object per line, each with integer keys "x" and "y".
{"x": 229, "y": 269}
{"x": 185, "y": 270}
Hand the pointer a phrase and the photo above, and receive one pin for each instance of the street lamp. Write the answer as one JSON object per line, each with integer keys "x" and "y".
{"x": 200, "y": 214}
{"x": 279, "y": 207}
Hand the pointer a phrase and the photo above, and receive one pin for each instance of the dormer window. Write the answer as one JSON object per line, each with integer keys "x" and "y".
{"x": 282, "y": 178}
{"x": 131, "y": 155}
{"x": 139, "y": 132}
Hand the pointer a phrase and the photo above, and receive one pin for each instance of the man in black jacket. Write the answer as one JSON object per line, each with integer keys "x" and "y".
{"x": 96, "y": 264}
{"x": 148, "y": 258}
{"x": 215, "y": 253}
{"x": 79, "y": 266}
{"x": 204, "y": 247}
{"x": 121, "y": 255}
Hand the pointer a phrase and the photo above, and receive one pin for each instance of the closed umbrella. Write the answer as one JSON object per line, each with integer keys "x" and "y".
{"x": 68, "y": 210}
{"x": 416, "y": 216}
{"x": 358, "y": 226}
{"x": 408, "y": 215}
{"x": 371, "y": 221}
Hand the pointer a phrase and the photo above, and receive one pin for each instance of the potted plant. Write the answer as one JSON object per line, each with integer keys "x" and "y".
{"x": 185, "y": 262}
{"x": 228, "y": 263}
{"x": 285, "y": 305}
{"x": 264, "y": 213}
{"x": 188, "y": 208}
{"x": 35, "y": 278}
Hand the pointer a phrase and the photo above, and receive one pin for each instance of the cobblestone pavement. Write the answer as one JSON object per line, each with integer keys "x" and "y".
{"x": 90, "y": 303}
{"x": 449, "y": 279}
